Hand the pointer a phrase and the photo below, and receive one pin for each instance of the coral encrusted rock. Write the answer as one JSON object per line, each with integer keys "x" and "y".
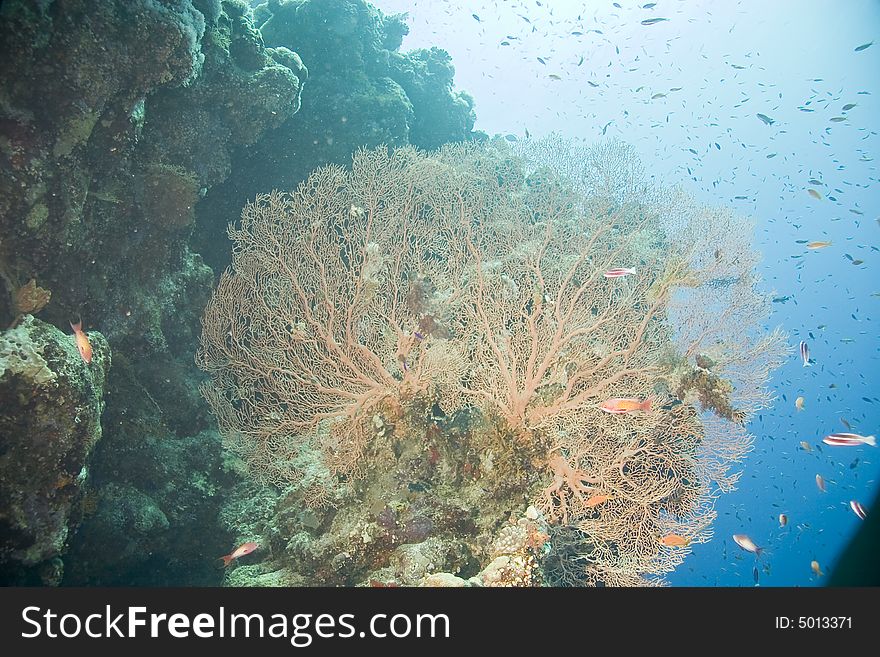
{"x": 51, "y": 402}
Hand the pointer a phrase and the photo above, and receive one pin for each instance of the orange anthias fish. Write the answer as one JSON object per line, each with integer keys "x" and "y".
{"x": 818, "y": 245}
{"x": 596, "y": 500}
{"x": 240, "y": 551}
{"x": 82, "y": 341}
{"x": 674, "y": 540}
{"x": 618, "y": 405}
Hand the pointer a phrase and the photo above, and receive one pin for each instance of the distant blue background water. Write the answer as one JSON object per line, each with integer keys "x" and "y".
{"x": 796, "y": 63}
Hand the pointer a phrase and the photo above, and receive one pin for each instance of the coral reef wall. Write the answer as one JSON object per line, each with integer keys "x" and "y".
{"x": 360, "y": 92}
{"x": 127, "y": 127}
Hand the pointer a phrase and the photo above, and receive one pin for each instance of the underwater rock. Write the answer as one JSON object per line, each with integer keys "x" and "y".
{"x": 334, "y": 37}
{"x": 68, "y": 98}
{"x": 360, "y": 93}
{"x": 50, "y": 420}
{"x": 149, "y": 516}
{"x": 123, "y": 527}
{"x": 244, "y": 90}
{"x": 109, "y": 153}
{"x": 257, "y": 576}
{"x": 516, "y": 552}
{"x": 444, "y": 580}
{"x": 441, "y": 114}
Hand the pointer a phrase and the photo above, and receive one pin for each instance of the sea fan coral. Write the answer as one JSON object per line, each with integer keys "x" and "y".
{"x": 372, "y": 308}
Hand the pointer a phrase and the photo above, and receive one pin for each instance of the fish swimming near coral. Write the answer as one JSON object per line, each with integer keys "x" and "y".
{"x": 747, "y": 544}
{"x": 82, "y": 341}
{"x": 849, "y": 440}
{"x": 596, "y": 500}
{"x": 674, "y": 540}
{"x": 805, "y": 353}
{"x": 618, "y": 406}
{"x": 240, "y": 551}
{"x": 619, "y": 272}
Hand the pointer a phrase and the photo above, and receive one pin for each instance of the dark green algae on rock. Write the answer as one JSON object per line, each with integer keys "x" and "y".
{"x": 50, "y": 420}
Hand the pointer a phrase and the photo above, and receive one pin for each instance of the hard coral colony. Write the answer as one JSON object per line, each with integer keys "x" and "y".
{"x": 428, "y": 339}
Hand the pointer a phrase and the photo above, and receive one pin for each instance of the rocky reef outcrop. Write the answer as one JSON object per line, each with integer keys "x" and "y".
{"x": 50, "y": 422}
{"x": 361, "y": 92}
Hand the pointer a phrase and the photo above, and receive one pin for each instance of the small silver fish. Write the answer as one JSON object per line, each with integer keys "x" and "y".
{"x": 805, "y": 353}
{"x": 747, "y": 544}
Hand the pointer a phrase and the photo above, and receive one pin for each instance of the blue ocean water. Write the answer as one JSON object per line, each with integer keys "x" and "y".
{"x": 687, "y": 92}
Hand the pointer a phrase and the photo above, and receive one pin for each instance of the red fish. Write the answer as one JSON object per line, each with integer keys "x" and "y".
{"x": 596, "y": 500}
{"x": 674, "y": 540}
{"x": 619, "y": 272}
{"x": 240, "y": 551}
{"x": 618, "y": 406}
{"x": 849, "y": 439}
{"x": 858, "y": 509}
{"x": 82, "y": 341}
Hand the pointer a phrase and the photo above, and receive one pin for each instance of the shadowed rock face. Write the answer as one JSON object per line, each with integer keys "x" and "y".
{"x": 50, "y": 420}
{"x": 115, "y": 118}
{"x": 361, "y": 92}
